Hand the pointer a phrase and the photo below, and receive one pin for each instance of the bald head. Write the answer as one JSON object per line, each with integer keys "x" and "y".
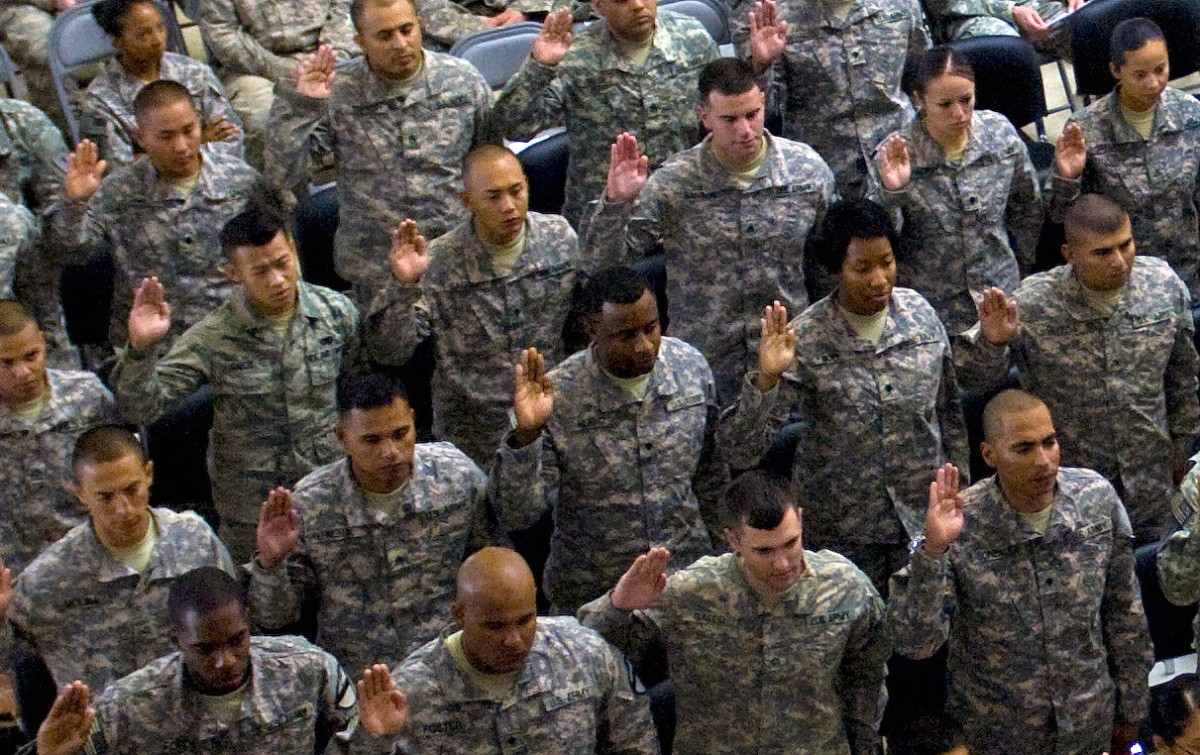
{"x": 1003, "y": 405}
{"x": 494, "y": 572}
{"x": 487, "y": 154}
{"x": 496, "y": 607}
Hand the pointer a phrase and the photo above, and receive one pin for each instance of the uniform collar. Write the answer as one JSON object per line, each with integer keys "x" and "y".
{"x": 536, "y": 676}
{"x": 608, "y": 394}
{"x": 249, "y": 319}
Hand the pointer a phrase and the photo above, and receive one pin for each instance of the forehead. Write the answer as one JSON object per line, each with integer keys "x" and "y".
{"x": 252, "y": 256}
{"x": 949, "y": 85}
{"x": 868, "y": 251}
{"x": 615, "y": 318}
{"x": 719, "y": 103}
{"x": 22, "y": 342}
{"x": 1031, "y": 425}
{"x": 142, "y": 13}
{"x": 111, "y": 474}
{"x": 376, "y": 17}
{"x": 787, "y": 530}
{"x": 493, "y": 173}
{"x": 174, "y": 115}
{"x": 215, "y": 626}
{"x": 378, "y": 419}
{"x": 507, "y": 603}
{"x": 1149, "y": 55}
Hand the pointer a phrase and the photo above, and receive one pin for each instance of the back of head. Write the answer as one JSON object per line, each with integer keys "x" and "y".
{"x": 14, "y": 318}
{"x": 481, "y": 153}
{"x": 938, "y": 61}
{"x": 1004, "y": 404}
{"x": 367, "y": 390}
{"x": 110, "y": 14}
{"x": 201, "y": 591}
{"x": 611, "y": 285}
{"x": 159, "y": 94}
{"x": 727, "y": 76}
{"x": 1172, "y": 705}
{"x": 254, "y": 226}
{"x": 851, "y": 219}
{"x": 1092, "y": 214}
{"x": 359, "y": 7}
{"x": 493, "y": 570}
{"x": 1130, "y": 35}
{"x": 105, "y": 444}
{"x": 758, "y": 499}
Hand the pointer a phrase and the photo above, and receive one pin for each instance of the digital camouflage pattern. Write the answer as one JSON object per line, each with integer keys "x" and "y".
{"x": 20, "y": 233}
{"x": 728, "y": 251}
{"x": 621, "y": 475}
{"x": 801, "y": 675}
{"x": 957, "y": 218}
{"x": 1178, "y": 560}
{"x": 382, "y": 584}
{"x": 26, "y": 25}
{"x": 963, "y": 19}
{"x": 1121, "y": 388}
{"x": 269, "y": 39}
{"x": 1047, "y": 636}
{"x": 597, "y": 93}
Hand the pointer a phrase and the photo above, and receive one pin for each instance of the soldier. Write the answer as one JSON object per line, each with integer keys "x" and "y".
{"x": 26, "y": 34}
{"x": 139, "y": 35}
{"x": 222, "y": 690}
{"x": 1045, "y": 23}
{"x": 866, "y": 368}
{"x": 381, "y": 532}
{"x": 1106, "y": 341}
{"x": 630, "y": 71}
{"x": 44, "y": 411}
{"x": 619, "y": 442}
{"x": 1029, "y": 575}
{"x": 162, "y": 214}
{"x": 963, "y": 184}
{"x": 732, "y": 215}
{"x": 92, "y": 604}
{"x": 513, "y": 270}
{"x": 1175, "y": 715}
{"x": 400, "y": 121}
{"x": 1140, "y": 147}
{"x": 271, "y": 353}
{"x": 19, "y": 234}
{"x": 838, "y": 66}
{"x": 772, "y": 648}
{"x": 506, "y": 680}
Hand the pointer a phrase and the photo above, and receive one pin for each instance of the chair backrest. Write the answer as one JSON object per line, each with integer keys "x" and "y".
{"x": 707, "y": 12}
{"x": 1093, "y": 26}
{"x": 8, "y": 74}
{"x": 498, "y": 53}
{"x": 1008, "y": 77}
{"x": 76, "y": 40}
{"x": 545, "y": 164}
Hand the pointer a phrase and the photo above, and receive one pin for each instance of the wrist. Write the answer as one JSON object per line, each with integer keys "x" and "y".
{"x": 267, "y": 564}
{"x": 523, "y": 436}
{"x": 934, "y": 550}
{"x": 766, "y": 381}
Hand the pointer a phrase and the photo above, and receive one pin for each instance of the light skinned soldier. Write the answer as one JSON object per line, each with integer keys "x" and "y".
{"x": 504, "y": 680}
{"x": 1029, "y": 576}
{"x": 20, "y": 233}
{"x": 865, "y": 368}
{"x": 44, "y": 411}
{"x": 161, "y": 215}
{"x": 374, "y": 539}
{"x": 270, "y": 353}
{"x": 1044, "y": 23}
{"x": 1107, "y": 342}
{"x": 221, "y": 691}
{"x": 772, "y": 648}
{"x": 632, "y": 71}
{"x": 26, "y": 25}
{"x": 967, "y": 194}
{"x": 91, "y": 605}
{"x": 399, "y": 122}
{"x": 1140, "y": 147}
{"x": 139, "y": 35}
{"x": 836, "y": 69}
{"x": 513, "y": 270}
{"x": 618, "y": 442}
{"x": 731, "y": 214}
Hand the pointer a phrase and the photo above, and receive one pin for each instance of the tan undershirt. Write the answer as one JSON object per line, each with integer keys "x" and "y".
{"x": 1038, "y": 520}
{"x": 1142, "y": 122}
{"x": 494, "y": 686}
{"x": 137, "y": 557}
{"x": 31, "y": 410}
{"x": 868, "y": 327}
{"x": 504, "y": 256}
{"x": 840, "y": 9}
{"x": 634, "y": 386}
{"x": 638, "y": 53}
{"x": 1104, "y": 302}
{"x": 185, "y": 185}
{"x": 387, "y": 503}
{"x": 227, "y": 708}
{"x": 745, "y": 176}
{"x": 956, "y": 156}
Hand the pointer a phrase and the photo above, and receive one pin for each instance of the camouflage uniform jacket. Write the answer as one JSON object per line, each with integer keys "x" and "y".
{"x": 620, "y": 474}
{"x": 298, "y": 696}
{"x": 481, "y": 321}
{"x": 30, "y": 146}
{"x": 1179, "y": 555}
{"x": 156, "y": 229}
{"x": 273, "y": 403}
{"x": 596, "y": 93}
{"x": 729, "y": 251}
{"x": 107, "y": 106}
{"x": 840, "y": 77}
{"x": 267, "y": 39}
{"x": 38, "y": 460}
{"x": 20, "y": 232}
{"x": 383, "y": 585}
{"x": 1121, "y": 389}
{"x": 958, "y": 217}
{"x": 398, "y": 155}
{"x": 571, "y": 698}
{"x": 855, "y": 399}
{"x": 1047, "y": 635}
{"x": 1154, "y": 180}
{"x": 92, "y": 618}
{"x": 804, "y": 675}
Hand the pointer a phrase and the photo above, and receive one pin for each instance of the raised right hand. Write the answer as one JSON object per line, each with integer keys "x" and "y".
{"x": 408, "y": 258}
{"x": 6, "y": 590}
{"x": 944, "y": 517}
{"x": 1070, "y": 153}
{"x": 895, "y": 168}
{"x": 315, "y": 74}
{"x": 84, "y": 169}
{"x": 776, "y": 346}
{"x": 278, "y": 529}
{"x": 554, "y": 39}
{"x": 643, "y": 582}
{"x": 150, "y": 317}
{"x": 999, "y": 322}
{"x": 533, "y": 399}
{"x": 66, "y": 728}
{"x": 382, "y": 709}
{"x": 627, "y": 170}
{"x": 768, "y": 34}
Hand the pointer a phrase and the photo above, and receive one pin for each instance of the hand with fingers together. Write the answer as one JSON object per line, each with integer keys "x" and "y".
{"x": 999, "y": 322}
{"x": 554, "y": 39}
{"x": 150, "y": 317}
{"x": 382, "y": 709}
{"x": 278, "y": 528}
{"x": 627, "y": 170}
{"x": 768, "y": 35}
{"x": 643, "y": 582}
{"x": 895, "y": 167}
{"x": 944, "y": 516}
{"x": 65, "y": 730}
{"x": 6, "y": 589}
{"x": 776, "y": 347}
{"x": 533, "y": 399}
{"x": 409, "y": 257}
{"x": 315, "y": 74}
{"x": 1070, "y": 153}
{"x": 217, "y": 130}
{"x": 84, "y": 170}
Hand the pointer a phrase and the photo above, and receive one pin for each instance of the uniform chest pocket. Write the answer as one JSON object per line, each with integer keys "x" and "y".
{"x": 247, "y": 380}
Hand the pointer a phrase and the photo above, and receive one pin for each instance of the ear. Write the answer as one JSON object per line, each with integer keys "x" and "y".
{"x": 358, "y": 39}
{"x": 231, "y": 271}
{"x": 137, "y": 137}
{"x": 149, "y": 469}
{"x": 466, "y": 201}
{"x": 988, "y": 452}
{"x": 1115, "y": 70}
{"x": 1067, "y": 252}
{"x": 919, "y": 100}
{"x": 731, "y": 536}
{"x": 339, "y": 433}
{"x": 458, "y": 613}
{"x": 73, "y": 488}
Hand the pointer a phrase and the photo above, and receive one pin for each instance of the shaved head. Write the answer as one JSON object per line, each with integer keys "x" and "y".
{"x": 494, "y": 572}
{"x": 1002, "y": 405}
{"x": 485, "y": 153}
{"x": 496, "y": 606}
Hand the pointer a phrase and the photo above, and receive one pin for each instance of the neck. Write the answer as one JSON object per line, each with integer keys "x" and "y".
{"x": 728, "y": 162}
{"x": 1027, "y": 505}
{"x": 12, "y": 402}
{"x": 144, "y": 70}
{"x": 378, "y": 487}
{"x": 1136, "y": 107}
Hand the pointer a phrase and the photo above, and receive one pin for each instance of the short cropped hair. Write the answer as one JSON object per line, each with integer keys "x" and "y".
{"x": 159, "y": 94}
{"x": 1131, "y": 35}
{"x": 611, "y": 285}
{"x": 202, "y": 591}
{"x": 758, "y": 499}
{"x": 940, "y": 60}
{"x": 358, "y": 7}
{"x": 104, "y": 444}
{"x": 367, "y": 390}
{"x": 14, "y": 317}
{"x": 254, "y": 226}
{"x": 1006, "y": 402}
{"x": 110, "y": 14}
{"x": 1172, "y": 705}
{"x": 481, "y": 152}
{"x": 846, "y": 220}
{"x": 1093, "y": 213}
{"x": 727, "y": 76}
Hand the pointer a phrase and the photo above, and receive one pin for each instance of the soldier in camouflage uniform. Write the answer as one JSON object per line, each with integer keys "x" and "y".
{"x": 867, "y": 368}
{"x": 508, "y": 681}
{"x": 1042, "y": 22}
{"x": 399, "y": 122}
{"x": 139, "y": 34}
{"x": 43, "y": 413}
{"x": 773, "y": 648}
{"x": 731, "y": 214}
{"x": 25, "y": 32}
{"x": 156, "y": 224}
{"x": 381, "y": 533}
{"x": 223, "y": 691}
{"x": 1152, "y": 175}
{"x": 514, "y": 271}
{"x": 619, "y": 442}
{"x": 271, "y": 354}
{"x": 1106, "y": 342}
{"x": 92, "y": 604}
{"x": 633, "y": 71}
{"x": 19, "y": 234}
{"x": 1029, "y": 576}
{"x": 964, "y": 186}
{"x": 1179, "y": 555}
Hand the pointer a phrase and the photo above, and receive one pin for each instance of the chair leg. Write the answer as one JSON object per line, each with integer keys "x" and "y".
{"x": 1066, "y": 82}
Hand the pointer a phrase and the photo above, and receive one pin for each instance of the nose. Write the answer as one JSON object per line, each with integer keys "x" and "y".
{"x": 277, "y": 278}
{"x": 123, "y": 505}
{"x": 781, "y": 563}
{"x": 512, "y": 640}
{"x": 223, "y": 658}
{"x": 389, "y": 450}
